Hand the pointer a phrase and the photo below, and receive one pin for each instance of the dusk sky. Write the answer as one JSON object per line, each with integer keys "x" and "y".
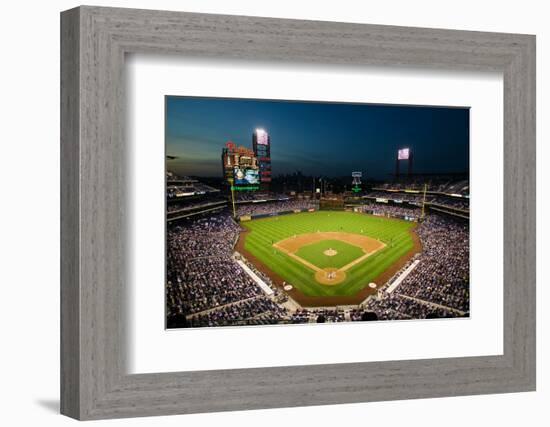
{"x": 330, "y": 139}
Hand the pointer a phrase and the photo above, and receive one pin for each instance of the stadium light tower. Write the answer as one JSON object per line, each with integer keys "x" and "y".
{"x": 404, "y": 154}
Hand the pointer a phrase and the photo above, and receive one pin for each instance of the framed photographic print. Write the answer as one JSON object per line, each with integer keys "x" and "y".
{"x": 346, "y": 212}
{"x": 320, "y": 217}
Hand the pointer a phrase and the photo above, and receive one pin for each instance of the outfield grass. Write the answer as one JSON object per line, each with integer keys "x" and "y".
{"x": 314, "y": 253}
{"x": 266, "y": 231}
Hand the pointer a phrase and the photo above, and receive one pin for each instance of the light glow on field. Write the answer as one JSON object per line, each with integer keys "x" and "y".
{"x": 382, "y": 243}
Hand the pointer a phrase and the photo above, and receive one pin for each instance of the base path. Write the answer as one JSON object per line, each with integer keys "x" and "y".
{"x": 293, "y": 244}
{"x": 329, "y": 276}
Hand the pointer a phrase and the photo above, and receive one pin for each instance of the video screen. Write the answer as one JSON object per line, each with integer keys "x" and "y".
{"x": 245, "y": 176}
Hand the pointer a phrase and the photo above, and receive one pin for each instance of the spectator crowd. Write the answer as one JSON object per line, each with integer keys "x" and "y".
{"x": 443, "y": 275}
{"x": 417, "y": 198}
{"x": 205, "y": 284}
{"x": 390, "y": 210}
{"x": 274, "y": 207}
{"x": 209, "y": 288}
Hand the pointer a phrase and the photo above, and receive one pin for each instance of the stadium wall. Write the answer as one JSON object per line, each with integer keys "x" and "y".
{"x": 259, "y": 216}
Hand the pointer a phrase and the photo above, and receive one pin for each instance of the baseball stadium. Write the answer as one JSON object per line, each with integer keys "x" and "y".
{"x": 246, "y": 247}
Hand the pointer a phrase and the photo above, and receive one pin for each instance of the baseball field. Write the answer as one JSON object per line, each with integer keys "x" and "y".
{"x": 329, "y": 254}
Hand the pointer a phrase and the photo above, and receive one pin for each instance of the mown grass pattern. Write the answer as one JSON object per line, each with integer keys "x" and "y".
{"x": 266, "y": 231}
{"x": 314, "y": 253}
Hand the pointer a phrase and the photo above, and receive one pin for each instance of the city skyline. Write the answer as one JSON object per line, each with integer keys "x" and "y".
{"x": 316, "y": 138}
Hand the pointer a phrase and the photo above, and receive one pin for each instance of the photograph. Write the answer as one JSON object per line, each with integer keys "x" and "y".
{"x": 303, "y": 212}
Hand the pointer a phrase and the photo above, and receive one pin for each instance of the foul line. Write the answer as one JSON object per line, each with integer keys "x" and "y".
{"x": 362, "y": 258}
{"x": 316, "y": 269}
{"x": 297, "y": 258}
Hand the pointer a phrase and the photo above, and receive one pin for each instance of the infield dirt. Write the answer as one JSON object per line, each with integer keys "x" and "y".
{"x": 293, "y": 244}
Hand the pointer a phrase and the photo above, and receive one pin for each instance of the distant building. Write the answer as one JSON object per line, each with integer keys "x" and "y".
{"x": 261, "y": 144}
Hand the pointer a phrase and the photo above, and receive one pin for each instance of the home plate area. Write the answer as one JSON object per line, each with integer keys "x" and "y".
{"x": 330, "y": 276}
{"x": 329, "y": 254}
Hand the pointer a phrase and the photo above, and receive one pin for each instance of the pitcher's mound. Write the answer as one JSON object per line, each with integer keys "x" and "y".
{"x": 330, "y": 276}
{"x": 330, "y": 252}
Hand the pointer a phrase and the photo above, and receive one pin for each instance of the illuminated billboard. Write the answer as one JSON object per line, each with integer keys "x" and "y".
{"x": 262, "y": 137}
{"x": 403, "y": 154}
{"x": 242, "y": 176}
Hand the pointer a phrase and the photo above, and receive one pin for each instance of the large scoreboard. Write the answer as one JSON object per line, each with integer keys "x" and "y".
{"x": 240, "y": 167}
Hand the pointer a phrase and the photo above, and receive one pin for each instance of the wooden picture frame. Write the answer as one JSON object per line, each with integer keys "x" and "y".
{"x": 94, "y": 382}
